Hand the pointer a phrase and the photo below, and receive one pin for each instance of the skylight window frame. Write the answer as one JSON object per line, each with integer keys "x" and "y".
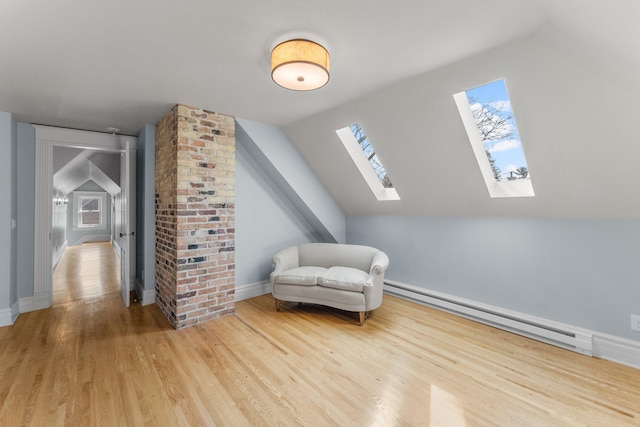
{"x": 365, "y": 168}
{"x": 497, "y": 189}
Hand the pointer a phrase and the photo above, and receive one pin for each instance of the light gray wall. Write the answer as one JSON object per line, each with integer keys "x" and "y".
{"x": 109, "y": 163}
{"x": 74, "y": 237}
{"x": 26, "y": 188}
{"x": 266, "y": 221}
{"x": 583, "y": 272}
{"x": 581, "y": 166}
{"x": 63, "y": 155}
{"x": 8, "y": 210}
{"x": 145, "y": 208}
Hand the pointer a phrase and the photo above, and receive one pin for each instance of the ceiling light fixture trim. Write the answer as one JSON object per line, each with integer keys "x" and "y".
{"x": 300, "y": 64}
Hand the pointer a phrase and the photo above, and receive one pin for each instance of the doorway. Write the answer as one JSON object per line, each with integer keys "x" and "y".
{"x": 46, "y": 139}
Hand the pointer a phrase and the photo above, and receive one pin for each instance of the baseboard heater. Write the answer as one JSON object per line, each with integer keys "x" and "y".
{"x": 539, "y": 329}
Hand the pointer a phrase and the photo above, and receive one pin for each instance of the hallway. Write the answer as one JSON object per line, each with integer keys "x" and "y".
{"x": 86, "y": 271}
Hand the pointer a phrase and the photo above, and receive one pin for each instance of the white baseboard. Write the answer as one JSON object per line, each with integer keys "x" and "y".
{"x": 58, "y": 255}
{"x": 616, "y": 349}
{"x": 252, "y": 290}
{"x": 15, "y": 312}
{"x": 116, "y": 247}
{"x": 9, "y": 315}
{"x": 92, "y": 239}
{"x": 604, "y": 346}
{"x": 36, "y": 302}
{"x": 147, "y": 296}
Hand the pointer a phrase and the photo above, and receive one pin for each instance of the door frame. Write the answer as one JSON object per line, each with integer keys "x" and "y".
{"x": 46, "y": 138}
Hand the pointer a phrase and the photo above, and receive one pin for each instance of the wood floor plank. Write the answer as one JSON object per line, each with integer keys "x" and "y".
{"x": 88, "y": 361}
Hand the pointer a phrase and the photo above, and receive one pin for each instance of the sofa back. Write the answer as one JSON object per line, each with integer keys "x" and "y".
{"x": 336, "y": 255}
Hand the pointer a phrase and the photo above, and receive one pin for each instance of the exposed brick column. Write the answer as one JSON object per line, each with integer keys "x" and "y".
{"x": 195, "y": 249}
{"x": 166, "y": 236}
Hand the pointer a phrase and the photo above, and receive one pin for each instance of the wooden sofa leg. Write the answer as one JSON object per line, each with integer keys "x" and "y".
{"x": 277, "y": 305}
{"x": 362, "y": 315}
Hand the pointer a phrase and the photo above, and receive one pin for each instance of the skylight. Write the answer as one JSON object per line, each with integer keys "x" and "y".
{"x": 366, "y": 160}
{"x": 491, "y": 127}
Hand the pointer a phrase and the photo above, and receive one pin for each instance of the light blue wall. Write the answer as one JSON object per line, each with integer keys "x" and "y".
{"x": 273, "y": 150}
{"x": 74, "y": 237}
{"x": 266, "y": 221}
{"x": 582, "y": 272}
{"x": 145, "y": 208}
{"x": 8, "y": 211}
{"x": 26, "y": 188}
{"x": 60, "y": 223}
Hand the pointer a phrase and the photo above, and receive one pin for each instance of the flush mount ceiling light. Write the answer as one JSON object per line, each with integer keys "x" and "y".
{"x": 300, "y": 64}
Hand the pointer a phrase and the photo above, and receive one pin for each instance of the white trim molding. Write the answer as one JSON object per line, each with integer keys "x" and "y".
{"x": 15, "y": 311}
{"x": 42, "y": 272}
{"x": 252, "y": 290}
{"x": 146, "y": 296}
{"x": 46, "y": 138}
{"x": 33, "y": 303}
{"x": 93, "y": 239}
{"x": 584, "y": 341}
{"x": 58, "y": 255}
{"x": 616, "y": 349}
{"x": 116, "y": 247}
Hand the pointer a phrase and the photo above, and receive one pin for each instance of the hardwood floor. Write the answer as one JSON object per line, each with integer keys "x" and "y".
{"x": 93, "y": 362}
{"x": 86, "y": 271}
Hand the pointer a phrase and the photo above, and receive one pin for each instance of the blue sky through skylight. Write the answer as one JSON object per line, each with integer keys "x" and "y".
{"x": 494, "y": 118}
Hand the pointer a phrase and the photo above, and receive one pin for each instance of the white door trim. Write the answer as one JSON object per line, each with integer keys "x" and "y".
{"x": 42, "y": 268}
{"x": 46, "y": 138}
{"x": 125, "y": 231}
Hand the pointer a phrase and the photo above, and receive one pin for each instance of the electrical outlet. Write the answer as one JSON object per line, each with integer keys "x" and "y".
{"x": 635, "y": 322}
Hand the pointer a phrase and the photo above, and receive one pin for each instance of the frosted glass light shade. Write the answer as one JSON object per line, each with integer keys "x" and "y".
{"x": 300, "y": 65}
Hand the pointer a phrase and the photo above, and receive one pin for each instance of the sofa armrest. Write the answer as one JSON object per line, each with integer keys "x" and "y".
{"x": 373, "y": 289}
{"x": 286, "y": 259}
{"x": 379, "y": 264}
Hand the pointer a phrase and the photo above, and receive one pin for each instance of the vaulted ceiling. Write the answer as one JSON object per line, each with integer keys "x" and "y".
{"x": 72, "y": 167}
{"x": 576, "y": 126}
{"x": 124, "y": 63}
{"x": 572, "y": 67}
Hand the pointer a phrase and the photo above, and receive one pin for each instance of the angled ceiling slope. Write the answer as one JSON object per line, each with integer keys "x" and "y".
{"x": 80, "y": 170}
{"x": 274, "y": 152}
{"x": 576, "y": 123}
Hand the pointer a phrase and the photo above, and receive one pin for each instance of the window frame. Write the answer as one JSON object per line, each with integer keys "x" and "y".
{"x": 102, "y": 207}
{"x": 497, "y": 189}
{"x": 363, "y": 164}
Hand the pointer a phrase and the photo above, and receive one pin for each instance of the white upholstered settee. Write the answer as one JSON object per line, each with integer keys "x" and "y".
{"x": 347, "y": 277}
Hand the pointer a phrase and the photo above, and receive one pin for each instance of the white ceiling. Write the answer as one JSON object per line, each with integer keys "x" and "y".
{"x": 124, "y": 63}
{"x": 572, "y": 68}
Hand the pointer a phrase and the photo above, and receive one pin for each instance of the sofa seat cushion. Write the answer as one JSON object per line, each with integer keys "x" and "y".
{"x": 344, "y": 278}
{"x": 305, "y": 276}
